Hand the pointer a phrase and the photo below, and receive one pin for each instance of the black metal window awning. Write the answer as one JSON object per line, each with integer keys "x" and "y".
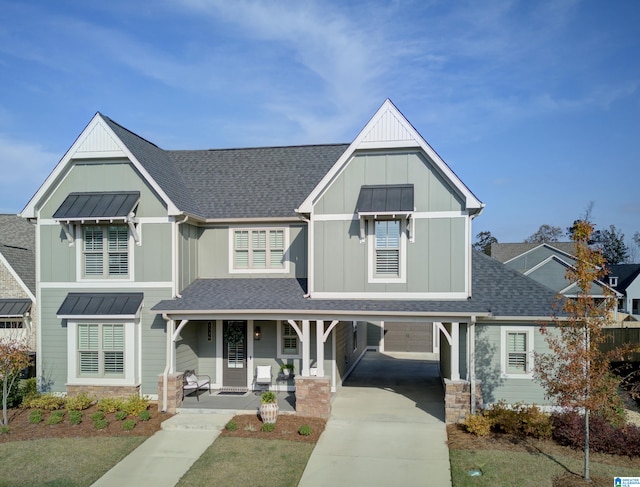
{"x": 386, "y": 199}
{"x": 101, "y": 305}
{"x": 14, "y": 308}
{"x": 98, "y": 207}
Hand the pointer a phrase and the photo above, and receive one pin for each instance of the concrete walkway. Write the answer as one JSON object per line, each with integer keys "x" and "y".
{"x": 167, "y": 455}
{"x": 386, "y": 427}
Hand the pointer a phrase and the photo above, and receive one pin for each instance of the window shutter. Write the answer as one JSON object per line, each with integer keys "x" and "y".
{"x": 93, "y": 239}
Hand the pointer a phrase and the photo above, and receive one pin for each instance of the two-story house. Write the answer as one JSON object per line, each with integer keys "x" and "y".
{"x": 152, "y": 262}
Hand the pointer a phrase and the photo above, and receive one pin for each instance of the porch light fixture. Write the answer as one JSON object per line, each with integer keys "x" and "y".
{"x": 257, "y": 333}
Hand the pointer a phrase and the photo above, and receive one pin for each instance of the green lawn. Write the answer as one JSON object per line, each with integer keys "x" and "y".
{"x": 68, "y": 462}
{"x": 522, "y": 469}
{"x": 231, "y": 462}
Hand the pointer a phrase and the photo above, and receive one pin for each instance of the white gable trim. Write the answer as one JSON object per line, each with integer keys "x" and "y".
{"x": 15, "y": 275}
{"x": 389, "y": 129}
{"x": 76, "y": 149}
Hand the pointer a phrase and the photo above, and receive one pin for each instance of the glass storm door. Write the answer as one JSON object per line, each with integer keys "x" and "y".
{"x": 234, "y": 354}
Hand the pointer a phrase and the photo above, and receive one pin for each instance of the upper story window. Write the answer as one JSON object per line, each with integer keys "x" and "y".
{"x": 387, "y": 248}
{"x": 105, "y": 251}
{"x": 258, "y": 250}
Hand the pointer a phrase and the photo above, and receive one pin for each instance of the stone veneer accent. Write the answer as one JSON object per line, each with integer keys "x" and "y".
{"x": 313, "y": 396}
{"x": 103, "y": 391}
{"x": 457, "y": 400}
{"x": 174, "y": 388}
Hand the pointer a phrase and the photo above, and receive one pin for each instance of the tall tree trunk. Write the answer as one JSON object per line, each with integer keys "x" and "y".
{"x": 5, "y": 419}
{"x": 586, "y": 445}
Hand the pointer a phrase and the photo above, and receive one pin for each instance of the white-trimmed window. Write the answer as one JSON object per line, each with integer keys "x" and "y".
{"x": 105, "y": 251}
{"x": 11, "y": 324}
{"x": 387, "y": 250}
{"x": 517, "y": 352}
{"x": 101, "y": 349}
{"x": 258, "y": 250}
{"x": 288, "y": 341}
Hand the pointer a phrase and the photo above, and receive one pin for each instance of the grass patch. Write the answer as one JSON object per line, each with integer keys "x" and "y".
{"x": 522, "y": 469}
{"x": 78, "y": 461}
{"x": 274, "y": 463}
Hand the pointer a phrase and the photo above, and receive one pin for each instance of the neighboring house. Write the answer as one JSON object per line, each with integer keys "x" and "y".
{"x": 625, "y": 279}
{"x": 18, "y": 280}
{"x": 152, "y": 262}
{"x": 546, "y": 263}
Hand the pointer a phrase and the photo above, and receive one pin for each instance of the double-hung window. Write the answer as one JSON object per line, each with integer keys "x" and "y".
{"x": 106, "y": 251}
{"x": 289, "y": 343}
{"x": 517, "y": 347}
{"x": 101, "y": 349}
{"x": 261, "y": 249}
{"x": 387, "y": 248}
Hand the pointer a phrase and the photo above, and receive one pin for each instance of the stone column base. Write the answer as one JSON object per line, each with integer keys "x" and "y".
{"x": 103, "y": 391}
{"x": 457, "y": 400}
{"x": 313, "y": 396}
{"x": 174, "y": 392}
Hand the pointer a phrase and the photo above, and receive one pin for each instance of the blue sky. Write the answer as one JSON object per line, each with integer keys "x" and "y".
{"x": 535, "y": 105}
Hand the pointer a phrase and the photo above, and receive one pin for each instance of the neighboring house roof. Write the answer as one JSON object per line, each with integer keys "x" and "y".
{"x": 507, "y": 251}
{"x": 17, "y": 246}
{"x": 498, "y": 292}
{"x": 626, "y": 274}
{"x": 87, "y": 305}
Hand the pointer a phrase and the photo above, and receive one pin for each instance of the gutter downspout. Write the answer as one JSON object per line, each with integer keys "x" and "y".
{"x": 165, "y": 374}
{"x": 472, "y": 363}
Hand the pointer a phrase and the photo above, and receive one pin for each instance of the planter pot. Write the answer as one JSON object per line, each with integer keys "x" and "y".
{"x": 286, "y": 372}
{"x": 269, "y": 412}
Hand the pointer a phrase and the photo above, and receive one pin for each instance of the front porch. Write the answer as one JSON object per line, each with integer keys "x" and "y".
{"x": 221, "y": 403}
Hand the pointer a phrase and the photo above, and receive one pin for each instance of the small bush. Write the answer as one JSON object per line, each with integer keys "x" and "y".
{"x": 121, "y": 415}
{"x": 504, "y": 419}
{"x": 250, "y": 427}
{"x": 478, "y": 424}
{"x": 231, "y": 426}
{"x": 79, "y": 402}
{"x": 128, "y": 424}
{"x": 48, "y": 402}
{"x": 144, "y": 415}
{"x": 35, "y": 416}
{"x": 268, "y": 397}
{"x": 100, "y": 424}
{"x": 29, "y": 389}
{"x": 75, "y": 417}
{"x": 135, "y": 404}
{"x": 55, "y": 417}
{"x": 97, "y": 416}
{"x": 305, "y": 430}
{"x": 110, "y": 404}
{"x": 268, "y": 427}
{"x": 14, "y": 393}
{"x": 4, "y": 429}
{"x": 519, "y": 420}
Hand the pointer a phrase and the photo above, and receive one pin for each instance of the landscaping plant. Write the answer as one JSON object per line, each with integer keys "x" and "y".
{"x": 14, "y": 357}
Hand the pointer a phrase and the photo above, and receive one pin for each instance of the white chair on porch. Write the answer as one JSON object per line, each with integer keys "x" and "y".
{"x": 193, "y": 383}
{"x": 263, "y": 377}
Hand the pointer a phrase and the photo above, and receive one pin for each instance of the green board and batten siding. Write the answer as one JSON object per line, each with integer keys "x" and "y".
{"x": 438, "y": 255}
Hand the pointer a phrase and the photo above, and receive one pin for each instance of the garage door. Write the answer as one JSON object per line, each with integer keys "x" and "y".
{"x": 408, "y": 337}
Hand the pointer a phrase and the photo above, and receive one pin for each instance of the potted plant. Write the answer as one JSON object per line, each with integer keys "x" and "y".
{"x": 268, "y": 407}
{"x": 287, "y": 370}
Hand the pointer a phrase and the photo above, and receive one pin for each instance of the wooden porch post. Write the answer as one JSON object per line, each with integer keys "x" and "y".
{"x": 320, "y": 347}
{"x": 455, "y": 350}
{"x": 306, "y": 348}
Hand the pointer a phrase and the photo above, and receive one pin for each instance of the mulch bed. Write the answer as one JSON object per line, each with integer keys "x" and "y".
{"x": 287, "y": 427}
{"x": 21, "y": 429}
{"x": 458, "y": 439}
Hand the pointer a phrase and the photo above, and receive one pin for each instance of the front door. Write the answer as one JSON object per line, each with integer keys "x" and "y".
{"x": 234, "y": 354}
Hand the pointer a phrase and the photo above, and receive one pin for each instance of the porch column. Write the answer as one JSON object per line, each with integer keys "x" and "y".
{"x": 171, "y": 349}
{"x": 455, "y": 350}
{"x": 320, "y": 347}
{"x": 306, "y": 348}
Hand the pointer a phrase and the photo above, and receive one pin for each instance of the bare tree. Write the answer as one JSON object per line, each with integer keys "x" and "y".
{"x": 14, "y": 357}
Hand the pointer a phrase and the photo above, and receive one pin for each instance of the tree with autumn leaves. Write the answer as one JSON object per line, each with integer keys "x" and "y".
{"x": 14, "y": 357}
{"x": 576, "y": 374}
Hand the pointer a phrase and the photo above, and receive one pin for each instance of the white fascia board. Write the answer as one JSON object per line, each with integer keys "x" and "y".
{"x": 15, "y": 275}
{"x": 417, "y": 141}
{"x": 29, "y": 210}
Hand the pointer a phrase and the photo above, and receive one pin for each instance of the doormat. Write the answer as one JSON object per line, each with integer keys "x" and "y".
{"x": 231, "y": 393}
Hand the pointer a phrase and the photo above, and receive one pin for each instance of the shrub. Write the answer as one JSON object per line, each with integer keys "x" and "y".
{"x": 231, "y": 426}
{"x": 145, "y": 415}
{"x": 14, "y": 395}
{"x": 29, "y": 388}
{"x": 305, "y": 430}
{"x": 135, "y": 404}
{"x": 121, "y": 415}
{"x": 268, "y": 397}
{"x": 128, "y": 424}
{"x": 55, "y": 417}
{"x": 268, "y": 427}
{"x": 250, "y": 427}
{"x": 519, "y": 419}
{"x": 478, "y": 424}
{"x": 75, "y": 417}
{"x": 534, "y": 422}
{"x": 100, "y": 424}
{"x": 504, "y": 419}
{"x": 48, "y": 402}
{"x": 79, "y": 402}
{"x": 97, "y": 416}
{"x": 110, "y": 404}
{"x": 4, "y": 429}
{"x": 35, "y": 416}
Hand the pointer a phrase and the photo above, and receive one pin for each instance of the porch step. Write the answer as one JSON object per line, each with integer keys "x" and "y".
{"x": 190, "y": 421}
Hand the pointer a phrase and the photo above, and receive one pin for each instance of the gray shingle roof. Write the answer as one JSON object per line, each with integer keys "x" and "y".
{"x": 626, "y": 274}
{"x": 507, "y": 251}
{"x": 17, "y": 245}
{"x": 497, "y": 290}
{"x": 100, "y": 304}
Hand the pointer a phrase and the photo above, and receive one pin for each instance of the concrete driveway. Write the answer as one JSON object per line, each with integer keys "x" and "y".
{"x": 386, "y": 427}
